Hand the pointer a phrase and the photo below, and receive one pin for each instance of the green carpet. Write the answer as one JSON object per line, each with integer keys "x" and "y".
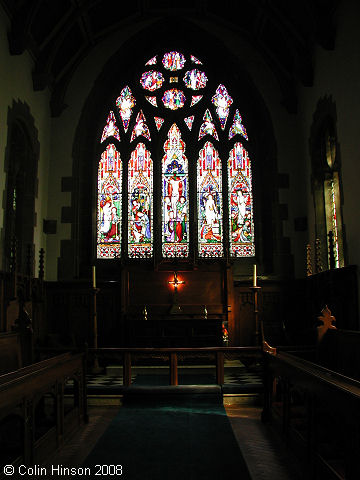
{"x": 177, "y": 439}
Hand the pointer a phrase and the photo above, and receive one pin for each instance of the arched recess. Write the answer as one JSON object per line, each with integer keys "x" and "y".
{"x": 21, "y": 168}
{"x": 327, "y": 185}
{"x": 122, "y": 69}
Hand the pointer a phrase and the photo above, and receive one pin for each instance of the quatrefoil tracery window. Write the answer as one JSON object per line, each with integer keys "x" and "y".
{"x": 171, "y": 89}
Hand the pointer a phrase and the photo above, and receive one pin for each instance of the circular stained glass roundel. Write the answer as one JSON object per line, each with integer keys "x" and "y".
{"x": 195, "y": 79}
{"x": 151, "y": 80}
{"x": 173, "y": 61}
{"x": 173, "y": 99}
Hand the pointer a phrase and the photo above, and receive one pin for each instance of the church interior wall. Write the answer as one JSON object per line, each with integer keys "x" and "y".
{"x": 16, "y": 86}
{"x": 336, "y": 78}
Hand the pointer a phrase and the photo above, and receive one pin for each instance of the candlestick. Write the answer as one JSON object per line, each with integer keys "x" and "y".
{"x": 94, "y": 276}
{"x": 254, "y": 277}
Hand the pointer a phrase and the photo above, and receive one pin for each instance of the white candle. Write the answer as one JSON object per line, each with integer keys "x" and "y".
{"x": 94, "y": 276}
{"x": 254, "y": 277}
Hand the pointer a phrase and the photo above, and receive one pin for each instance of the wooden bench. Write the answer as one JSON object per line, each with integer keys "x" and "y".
{"x": 318, "y": 412}
{"x": 35, "y": 413}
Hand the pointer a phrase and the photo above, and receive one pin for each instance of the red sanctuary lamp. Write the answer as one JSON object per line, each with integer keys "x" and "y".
{"x": 175, "y": 282}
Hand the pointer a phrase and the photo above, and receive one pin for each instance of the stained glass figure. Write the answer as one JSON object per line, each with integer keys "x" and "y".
{"x": 110, "y": 129}
{"x": 125, "y": 102}
{"x": 152, "y": 61}
{"x": 152, "y": 100}
{"x": 195, "y": 79}
{"x": 152, "y": 80}
{"x": 158, "y": 122}
{"x": 189, "y": 121}
{"x": 209, "y": 201}
{"x": 195, "y": 99}
{"x": 173, "y": 61}
{"x": 240, "y": 203}
{"x": 140, "y": 127}
{"x": 173, "y": 99}
{"x": 140, "y": 203}
{"x": 237, "y": 126}
{"x": 222, "y": 102}
{"x": 195, "y": 60}
{"x": 175, "y": 197}
{"x": 208, "y": 127}
{"x": 109, "y": 204}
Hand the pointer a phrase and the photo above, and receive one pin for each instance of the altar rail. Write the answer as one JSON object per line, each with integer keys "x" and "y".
{"x": 35, "y": 414}
{"x": 172, "y": 353}
{"x": 318, "y": 413}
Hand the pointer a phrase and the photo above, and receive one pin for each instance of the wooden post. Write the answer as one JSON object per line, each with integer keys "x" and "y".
{"x": 127, "y": 369}
{"x": 173, "y": 368}
{"x": 220, "y": 368}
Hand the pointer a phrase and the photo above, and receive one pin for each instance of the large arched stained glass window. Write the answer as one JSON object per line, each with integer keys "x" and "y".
{"x": 140, "y": 203}
{"x": 175, "y": 197}
{"x": 240, "y": 203}
{"x": 171, "y": 101}
{"x": 209, "y": 190}
{"x": 109, "y": 204}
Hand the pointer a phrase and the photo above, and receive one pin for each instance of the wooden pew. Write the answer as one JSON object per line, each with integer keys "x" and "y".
{"x": 318, "y": 413}
{"x": 34, "y": 410}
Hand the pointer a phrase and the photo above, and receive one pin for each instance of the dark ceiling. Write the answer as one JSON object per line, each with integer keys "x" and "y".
{"x": 59, "y": 33}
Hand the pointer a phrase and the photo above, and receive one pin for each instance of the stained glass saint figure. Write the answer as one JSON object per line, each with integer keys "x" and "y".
{"x": 175, "y": 197}
{"x": 195, "y": 79}
{"x": 125, "y": 102}
{"x": 109, "y": 204}
{"x": 240, "y": 203}
{"x": 222, "y": 102}
{"x": 209, "y": 199}
{"x": 173, "y": 99}
{"x": 173, "y": 61}
{"x": 140, "y": 203}
{"x": 110, "y": 129}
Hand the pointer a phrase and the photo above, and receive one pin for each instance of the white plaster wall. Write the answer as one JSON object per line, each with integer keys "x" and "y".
{"x": 16, "y": 84}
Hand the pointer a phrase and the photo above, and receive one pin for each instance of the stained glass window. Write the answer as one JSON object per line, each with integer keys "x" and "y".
{"x": 208, "y": 127}
{"x": 109, "y": 204}
{"x": 140, "y": 127}
{"x": 209, "y": 201}
{"x": 110, "y": 129}
{"x": 173, "y": 61}
{"x": 195, "y": 99}
{"x": 173, "y": 99}
{"x": 241, "y": 217}
{"x": 152, "y": 100}
{"x": 178, "y": 193}
{"x": 237, "y": 126}
{"x": 140, "y": 203}
{"x": 175, "y": 197}
{"x": 152, "y": 80}
{"x": 126, "y": 103}
{"x": 195, "y": 79}
{"x": 222, "y": 102}
{"x": 158, "y": 122}
{"x": 189, "y": 121}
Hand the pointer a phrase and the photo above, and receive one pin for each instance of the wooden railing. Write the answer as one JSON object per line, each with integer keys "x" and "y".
{"x": 318, "y": 413}
{"x": 21, "y": 394}
{"x": 172, "y": 354}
